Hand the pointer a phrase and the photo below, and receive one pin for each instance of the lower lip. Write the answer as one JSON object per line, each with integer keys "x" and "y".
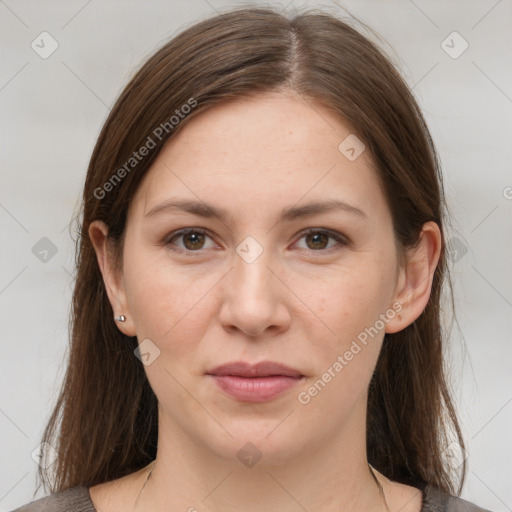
{"x": 255, "y": 389}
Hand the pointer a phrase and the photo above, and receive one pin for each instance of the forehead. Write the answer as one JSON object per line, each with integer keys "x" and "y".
{"x": 263, "y": 150}
{"x": 265, "y": 126}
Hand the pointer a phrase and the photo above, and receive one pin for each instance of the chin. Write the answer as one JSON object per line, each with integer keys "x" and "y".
{"x": 256, "y": 442}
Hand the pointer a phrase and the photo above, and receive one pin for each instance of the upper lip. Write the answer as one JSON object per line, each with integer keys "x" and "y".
{"x": 262, "y": 369}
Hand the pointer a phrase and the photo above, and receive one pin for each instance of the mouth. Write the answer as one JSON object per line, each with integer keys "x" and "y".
{"x": 255, "y": 383}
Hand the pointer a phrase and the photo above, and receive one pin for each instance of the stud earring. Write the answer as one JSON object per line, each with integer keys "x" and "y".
{"x": 121, "y": 318}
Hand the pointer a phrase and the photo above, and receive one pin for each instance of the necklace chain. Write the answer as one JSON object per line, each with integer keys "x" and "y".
{"x": 379, "y": 485}
{"x": 372, "y": 471}
{"x": 145, "y": 482}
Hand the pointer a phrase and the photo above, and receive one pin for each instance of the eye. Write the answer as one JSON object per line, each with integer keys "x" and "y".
{"x": 317, "y": 239}
{"x": 193, "y": 240}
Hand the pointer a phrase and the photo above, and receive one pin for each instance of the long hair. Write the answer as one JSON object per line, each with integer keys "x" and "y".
{"x": 105, "y": 422}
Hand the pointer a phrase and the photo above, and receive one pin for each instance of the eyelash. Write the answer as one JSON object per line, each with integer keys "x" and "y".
{"x": 342, "y": 240}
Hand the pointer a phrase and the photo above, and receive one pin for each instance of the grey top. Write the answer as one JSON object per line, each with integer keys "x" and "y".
{"x": 78, "y": 499}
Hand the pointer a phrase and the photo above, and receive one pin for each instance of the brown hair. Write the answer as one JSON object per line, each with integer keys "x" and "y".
{"x": 104, "y": 424}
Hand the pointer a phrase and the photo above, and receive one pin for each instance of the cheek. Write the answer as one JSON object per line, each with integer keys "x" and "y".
{"x": 169, "y": 307}
{"x": 345, "y": 357}
{"x": 349, "y": 304}
{"x": 167, "y": 301}
{"x": 352, "y": 298}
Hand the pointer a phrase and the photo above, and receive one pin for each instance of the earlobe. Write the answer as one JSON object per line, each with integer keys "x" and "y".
{"x": 414, "y": 283}
{"x": 98, "y": 234}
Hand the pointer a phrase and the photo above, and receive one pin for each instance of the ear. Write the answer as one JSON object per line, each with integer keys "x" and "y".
{"x": 414, "y": 283}
{"x": 113, "y": 279}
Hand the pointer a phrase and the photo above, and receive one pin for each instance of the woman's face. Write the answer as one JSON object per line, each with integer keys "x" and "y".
{"x": 253, "y": 285}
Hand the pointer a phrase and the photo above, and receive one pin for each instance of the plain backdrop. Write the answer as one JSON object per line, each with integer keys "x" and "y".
{"x": 455, "y": 55}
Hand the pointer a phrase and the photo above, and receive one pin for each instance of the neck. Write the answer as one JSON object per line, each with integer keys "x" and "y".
{"x": 188, "y": 476}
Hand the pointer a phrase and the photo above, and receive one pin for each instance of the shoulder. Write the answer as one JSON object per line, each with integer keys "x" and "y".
{"x": 459, "y": 505}
{"x": 74, "y": 499}
{"x": 437, "y": 501}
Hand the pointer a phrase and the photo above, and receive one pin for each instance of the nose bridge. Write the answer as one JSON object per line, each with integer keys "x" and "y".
{"x": 251, "y": 300}
{"x": 251, "y": 273}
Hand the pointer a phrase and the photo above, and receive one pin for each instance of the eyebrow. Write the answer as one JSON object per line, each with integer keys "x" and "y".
{"x": 202, "y": 209}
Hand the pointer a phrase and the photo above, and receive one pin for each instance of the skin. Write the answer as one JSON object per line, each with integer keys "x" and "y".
{"x": 301, "y": 302}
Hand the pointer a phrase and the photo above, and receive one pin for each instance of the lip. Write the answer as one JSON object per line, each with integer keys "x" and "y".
{"x": 261, "y": 369}
{"x": 255, "y": 383}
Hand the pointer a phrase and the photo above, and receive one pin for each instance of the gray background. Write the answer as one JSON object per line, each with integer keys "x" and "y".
{"x": 54, "y": 107}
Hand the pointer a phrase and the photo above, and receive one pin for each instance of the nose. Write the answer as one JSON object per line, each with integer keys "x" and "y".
{"x": 254, "y": 298}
